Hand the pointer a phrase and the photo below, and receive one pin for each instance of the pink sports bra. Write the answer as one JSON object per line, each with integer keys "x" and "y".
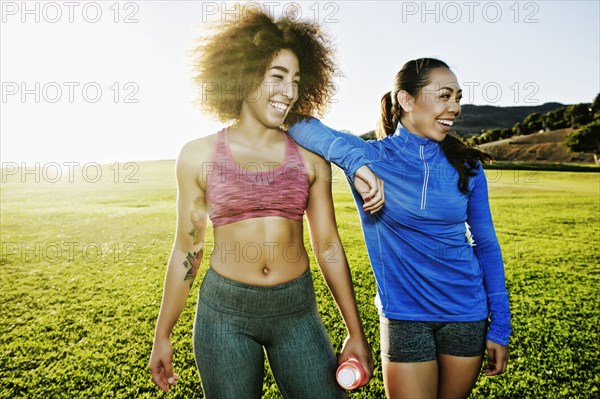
{"x": 237, "y": 192}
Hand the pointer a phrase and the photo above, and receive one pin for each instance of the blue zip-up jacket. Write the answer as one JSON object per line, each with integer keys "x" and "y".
{"x": 433, "y": 249}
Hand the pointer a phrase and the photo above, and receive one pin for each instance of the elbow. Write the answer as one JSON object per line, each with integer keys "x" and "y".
{"x": 329, "y": 253}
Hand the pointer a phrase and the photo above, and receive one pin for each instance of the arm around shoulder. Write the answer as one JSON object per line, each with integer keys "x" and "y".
{"x": 346, "y": 150}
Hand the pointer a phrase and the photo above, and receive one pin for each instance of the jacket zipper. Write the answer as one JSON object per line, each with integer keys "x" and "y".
{"x": 425, "y": 178}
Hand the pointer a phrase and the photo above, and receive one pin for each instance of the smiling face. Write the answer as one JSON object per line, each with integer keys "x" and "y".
{"x": 432, "y": 112}
{"x": 271, "y": 102}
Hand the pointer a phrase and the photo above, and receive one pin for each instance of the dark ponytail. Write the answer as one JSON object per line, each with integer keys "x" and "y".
{"x": 388, "y": 120}
{"x": 413, "y": 76}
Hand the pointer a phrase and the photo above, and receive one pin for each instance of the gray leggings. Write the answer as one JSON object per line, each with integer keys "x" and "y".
{"x": 235, "y": 321}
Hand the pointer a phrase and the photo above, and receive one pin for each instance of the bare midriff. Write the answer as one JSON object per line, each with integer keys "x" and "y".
{"x": 262, "y": 251}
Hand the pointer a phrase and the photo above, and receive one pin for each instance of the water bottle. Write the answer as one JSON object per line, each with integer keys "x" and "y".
{"x": 351, "y": 374}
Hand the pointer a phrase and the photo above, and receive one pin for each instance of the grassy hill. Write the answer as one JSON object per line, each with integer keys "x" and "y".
{"x": 475, "y": 118}
{"x": 544, "y": 147}
{"x": 537, "y": 148}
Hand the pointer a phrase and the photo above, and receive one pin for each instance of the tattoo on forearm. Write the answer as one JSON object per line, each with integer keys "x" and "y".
{"x": 192, "y": 263}
{"x": 198, "y": 219}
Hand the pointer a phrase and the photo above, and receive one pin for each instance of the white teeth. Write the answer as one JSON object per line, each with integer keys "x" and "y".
{"x": 445, "y": 122}
{"x": 279, "y": 106}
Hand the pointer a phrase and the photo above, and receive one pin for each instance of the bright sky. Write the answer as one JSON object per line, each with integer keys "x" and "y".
{"x": 108, "y": 81}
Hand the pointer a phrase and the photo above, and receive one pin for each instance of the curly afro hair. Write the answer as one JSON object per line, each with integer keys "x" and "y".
{"x": 234, "y": 57}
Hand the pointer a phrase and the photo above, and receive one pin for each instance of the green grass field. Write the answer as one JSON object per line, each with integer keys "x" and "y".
{"x": 83, "y": 262}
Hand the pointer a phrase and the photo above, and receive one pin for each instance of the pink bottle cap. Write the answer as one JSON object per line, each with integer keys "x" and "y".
{"x": 351, "y": 374}
{"x": 347, "y": 377}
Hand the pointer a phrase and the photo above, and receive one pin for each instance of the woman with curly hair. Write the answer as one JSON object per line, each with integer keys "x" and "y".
{"x": 255, "y": 184}
{"x": 433, "y": 247}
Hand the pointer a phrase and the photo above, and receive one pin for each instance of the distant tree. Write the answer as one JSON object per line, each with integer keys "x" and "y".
{"x": 506, "y": 133}
{"x": 555, "y": 120}
{"x": 596, "y": 108}
{"x": 494, "y": 134}
{"x": 489, "y": 136}
{"x": 518, "y": 129}
{"x": 532, "y": 123}
{"x": 534, "y": 127}
{"x": 578, "y": 114}
{"x": 483, "y": 137}
{"x": 586, "y": 139}
{"x": 472, "y": 141}
{"x": 596, "y": 105}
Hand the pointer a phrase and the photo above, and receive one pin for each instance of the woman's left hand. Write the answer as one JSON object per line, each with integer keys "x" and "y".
{"x": 497, "y": 358}
{"x": 370, "y": 188}
{"x": 358, "y": 348}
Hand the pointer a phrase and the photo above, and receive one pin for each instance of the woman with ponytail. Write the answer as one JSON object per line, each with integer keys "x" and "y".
{"x": 441, "y": 291}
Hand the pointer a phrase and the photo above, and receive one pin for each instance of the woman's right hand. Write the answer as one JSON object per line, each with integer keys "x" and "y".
{"x": 161, "y": 364}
